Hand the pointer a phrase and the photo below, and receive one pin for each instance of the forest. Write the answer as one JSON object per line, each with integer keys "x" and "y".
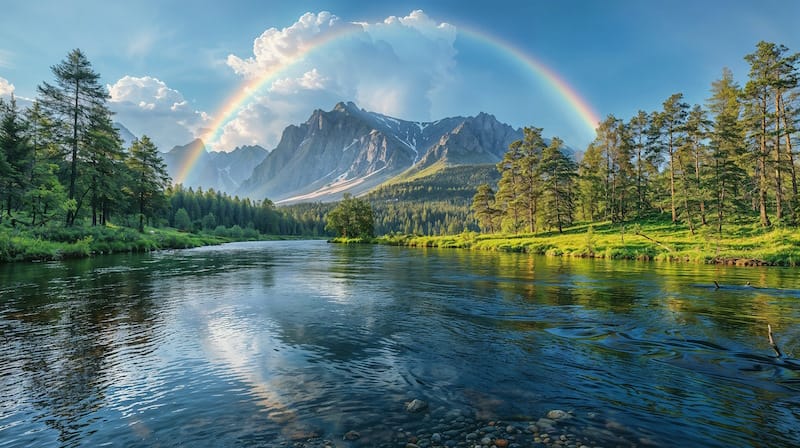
{"x": 66, "y": 177}
{"x": 731, "y": 160}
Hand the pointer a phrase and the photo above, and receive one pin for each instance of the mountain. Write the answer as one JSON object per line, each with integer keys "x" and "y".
{"x": 351, "y": 150}
{"x": 127, "y": 135}
{"x": 222, "y": 171}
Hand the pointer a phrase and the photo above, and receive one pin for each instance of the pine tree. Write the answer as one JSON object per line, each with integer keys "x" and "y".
{"x": 728, "y": 182}
{"x": 591, "y": 182}
{"x": 519, "y": 188}
{"x": 508, "y": 188}
{"x": 558, "y": 179}
{"x": 17, "y": 155}
{"x": 46, "y": 198}
{"x": 695, "y": 151}
{"x": 483, "y": 206}
{"x": 103, "y": 157}
{"x": 669, "y": 129}
{"x": 76, "y": 92}
{"x": 638, "y": 128}
{"x": 149, "y": 178}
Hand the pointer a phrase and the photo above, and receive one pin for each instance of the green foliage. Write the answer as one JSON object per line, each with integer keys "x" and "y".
{"x": 182, "y": 220}
{"x": 352, "y": 217}
{"x": 149, "y": 178}
{"x": 209, "y": 210}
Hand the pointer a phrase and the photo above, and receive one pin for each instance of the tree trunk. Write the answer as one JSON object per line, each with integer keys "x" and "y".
{"x": 74, "y": 162}
{"x": 792, "y": 170}
{"x": 762, "y": 166}
{"x": 778, "y": 171}
{"x": 672, "y": 185}
{"x": 699, "y": 184}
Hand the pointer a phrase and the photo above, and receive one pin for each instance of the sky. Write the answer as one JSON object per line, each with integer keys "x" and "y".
{"x": 238, "y": 72}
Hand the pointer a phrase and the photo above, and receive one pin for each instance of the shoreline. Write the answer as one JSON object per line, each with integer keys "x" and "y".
{"x": 742, "y": 245}
{"x": 87, "y": 242}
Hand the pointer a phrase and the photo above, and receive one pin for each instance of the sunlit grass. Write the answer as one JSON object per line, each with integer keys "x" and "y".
{"x": 652, "y": 240}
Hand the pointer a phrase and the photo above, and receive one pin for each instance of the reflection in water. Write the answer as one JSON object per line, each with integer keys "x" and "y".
{"x": 254, "y": 343}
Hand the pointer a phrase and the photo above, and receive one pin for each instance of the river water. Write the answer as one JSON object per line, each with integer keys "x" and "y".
{"x": 292, "y": 343}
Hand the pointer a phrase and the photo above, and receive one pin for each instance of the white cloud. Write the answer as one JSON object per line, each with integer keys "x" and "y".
{"x": 393, "y": 66}
{"x": 146, "y": 105}
{"x": 311, "y": 80}
{"x": 6, "y": 88}
{"x": 276, "y": 47}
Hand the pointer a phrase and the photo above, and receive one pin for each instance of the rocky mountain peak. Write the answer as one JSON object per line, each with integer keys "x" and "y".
{"x": 348, "y": 149}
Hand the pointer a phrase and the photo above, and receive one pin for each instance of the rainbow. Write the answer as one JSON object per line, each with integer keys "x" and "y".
{"x": 584, "y": 111}
{"x": 551, "y": 79}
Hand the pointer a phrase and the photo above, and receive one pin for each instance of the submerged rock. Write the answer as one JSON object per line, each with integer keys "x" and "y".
{"x": 557, "y": 414}
{"x": 351, "y": 435}
{"x": 416, "y": 405}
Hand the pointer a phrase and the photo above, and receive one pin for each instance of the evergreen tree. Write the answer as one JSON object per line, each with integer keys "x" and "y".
{"x": 508, "y": 189}
{"x": 46, "y": 198}
{"x": 103, "y": 157}
{"x": 644, "y": 160}
{"x": 16, "y": 155}
{"x": 77, "y": 90}
{"x": 591, "y": 181}
{"x": 728, "y": 181}
{"x": 483, "y": 206}
{"x": 668, "y": 128}
{"x": 149, "y": 178}
{"x": 773, "y": 76}
{"x": 558, "y": 179}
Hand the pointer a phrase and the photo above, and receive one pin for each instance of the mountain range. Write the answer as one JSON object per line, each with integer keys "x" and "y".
{"x": 346, "y": 149}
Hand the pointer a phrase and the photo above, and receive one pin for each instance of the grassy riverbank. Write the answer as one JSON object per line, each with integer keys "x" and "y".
{"x": 742, "y": 245}
{"x": 58, "y": 242}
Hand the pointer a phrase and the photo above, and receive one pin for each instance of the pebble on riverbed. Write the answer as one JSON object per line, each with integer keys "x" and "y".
{"x": 443, "y": 428}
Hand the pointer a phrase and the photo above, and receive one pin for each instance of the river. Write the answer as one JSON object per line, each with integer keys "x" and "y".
{"x": 301, "y": 343}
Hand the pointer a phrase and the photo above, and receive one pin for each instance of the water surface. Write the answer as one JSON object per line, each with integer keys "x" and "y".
{"x": 258, "y": 344}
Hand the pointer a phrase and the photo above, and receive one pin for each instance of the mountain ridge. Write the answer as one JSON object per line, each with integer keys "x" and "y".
{"x": 348, "y": 149}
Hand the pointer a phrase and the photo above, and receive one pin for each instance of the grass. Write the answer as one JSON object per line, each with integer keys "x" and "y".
{"x": 55, "y": 242}
{"x": 650, "y": 240}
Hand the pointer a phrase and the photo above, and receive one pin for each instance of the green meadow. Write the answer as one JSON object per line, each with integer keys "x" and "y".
{"x": 653, "y": 240}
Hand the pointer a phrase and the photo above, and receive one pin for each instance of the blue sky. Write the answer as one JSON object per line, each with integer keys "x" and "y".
{"x": 171, "y": 65}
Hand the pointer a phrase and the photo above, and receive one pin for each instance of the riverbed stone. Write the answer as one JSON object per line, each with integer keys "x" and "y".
{"x": 557, "y": 414}
{"x": 436, "y": 437}
{"x": 416, "y": 405}
{"x": 351, "y": 435}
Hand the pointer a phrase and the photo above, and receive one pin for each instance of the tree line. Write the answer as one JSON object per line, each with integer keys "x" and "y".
{"x": 732, "y": 159}
{"x": 62, "y": 160}
{"x": 198, "y": 210}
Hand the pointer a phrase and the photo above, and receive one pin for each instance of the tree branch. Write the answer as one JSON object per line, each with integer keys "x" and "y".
{"x": 772, "y": 342}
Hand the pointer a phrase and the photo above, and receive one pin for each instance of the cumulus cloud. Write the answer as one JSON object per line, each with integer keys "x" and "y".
{"x": 276, "y": 47}
{"x": 311, "y": 80}
{"x": 392, "y": 66}
{"x": 146, "y": 105}
{"x": 6, "y": 88}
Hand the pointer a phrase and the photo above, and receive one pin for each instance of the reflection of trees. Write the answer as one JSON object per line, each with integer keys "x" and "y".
{"x": 59, "y": 330}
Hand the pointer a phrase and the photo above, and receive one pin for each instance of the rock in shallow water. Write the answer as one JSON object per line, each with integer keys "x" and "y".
{"x": 557, "y": 414}
{"x": 351, "y": 435}
{"x": 416, "y": 405}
